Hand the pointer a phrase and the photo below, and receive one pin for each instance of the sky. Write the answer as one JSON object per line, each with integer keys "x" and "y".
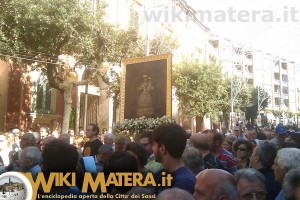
{"x": 6, "y": 180}
{"x": 271, "y": 26}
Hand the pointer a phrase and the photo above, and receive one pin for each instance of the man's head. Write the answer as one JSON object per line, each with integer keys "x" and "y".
{"x": 215, "y": 140}
{"x": 146, "y": 141}
{"x": 199, "y": 141}
{"x": 251, "y": 184}
{"x": 286, "y": 159}
{"x": 251, "y": 135}
{"x": 27, "y": 140}
{"x": 291, "y": 184}
{"x": 263, "y": 155}
{"x": 108, "y": 138}
{"x": 174, "y": 193}
{"x": 59, "y": 157}
{"x": 169, "y": 140}
{"x": 30, "y": 157}
{"x": 46, "y": 141}
{"x": 44, "y": 132}
{"x": 236, "y": 131}
{"x": 224, "y": 130}
{"x": 193, "y": 160}
{"x": 65, "y": 138}
{"x": 215, "y": 184}
{"x": 104, "y": 152}
{"x": 120, "y": 142}
{"x": 92, "y": 131}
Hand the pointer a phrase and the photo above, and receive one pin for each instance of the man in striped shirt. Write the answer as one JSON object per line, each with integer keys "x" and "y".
{"x": 215, "y": 145}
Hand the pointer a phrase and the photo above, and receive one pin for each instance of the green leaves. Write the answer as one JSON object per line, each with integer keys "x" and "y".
{"x": 199, "y": 87}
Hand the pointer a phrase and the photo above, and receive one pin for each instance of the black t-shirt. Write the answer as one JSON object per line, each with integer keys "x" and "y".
{"x": 91, "y": 148}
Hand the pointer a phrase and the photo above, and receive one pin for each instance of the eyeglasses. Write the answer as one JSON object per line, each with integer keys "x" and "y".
{"x": 241, "y": 149}
{"x": 145, "y": 144}
{"x": 261, "y": 195}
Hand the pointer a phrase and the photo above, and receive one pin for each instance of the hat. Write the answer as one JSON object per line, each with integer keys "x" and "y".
{"x": 280, "y": 129}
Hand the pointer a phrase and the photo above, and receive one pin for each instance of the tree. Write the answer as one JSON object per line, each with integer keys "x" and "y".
{"x": 200, "y": 88}
{"x": 39, "y": 31}
{"x": 262, "y": 102}
{"x": 238, "y": 95}
{"x": 162, "y": 43}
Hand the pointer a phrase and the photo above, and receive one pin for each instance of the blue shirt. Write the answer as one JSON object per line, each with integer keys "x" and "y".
{"x": 280, "y": 196}
{"x": 34, "y": 171}
{"x": 183, "y": 178}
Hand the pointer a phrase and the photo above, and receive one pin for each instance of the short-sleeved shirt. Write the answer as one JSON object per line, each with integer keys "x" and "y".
{"x": 90, "y": 148}
{"x": 183, "y": 178}
{"x": 228, "y": 161}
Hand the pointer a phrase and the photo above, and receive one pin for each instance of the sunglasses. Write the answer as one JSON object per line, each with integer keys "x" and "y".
{"x": 241, "y": 149}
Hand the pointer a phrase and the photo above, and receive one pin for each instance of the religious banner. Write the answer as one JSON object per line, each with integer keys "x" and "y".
{"x": 146, "y": 87}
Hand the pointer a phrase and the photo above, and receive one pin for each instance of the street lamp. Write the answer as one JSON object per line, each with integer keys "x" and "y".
{"x": 221, "y": 119}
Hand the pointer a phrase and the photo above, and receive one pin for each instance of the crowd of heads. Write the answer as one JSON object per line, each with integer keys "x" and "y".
{"x": 242, "y": 164}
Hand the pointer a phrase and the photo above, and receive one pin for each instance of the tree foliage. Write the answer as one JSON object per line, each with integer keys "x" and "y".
{"x": 200, "y": 88}
{"x": 162, "y": 43}
{"x": 39, "y": 31}
{"x": 42, "y": 30}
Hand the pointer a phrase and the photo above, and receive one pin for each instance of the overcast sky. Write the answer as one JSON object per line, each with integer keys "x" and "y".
{"x": 272, "y": 26}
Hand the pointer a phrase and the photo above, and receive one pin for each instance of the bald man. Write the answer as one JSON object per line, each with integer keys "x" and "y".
{"x": 215, "y": 184}
{"x": 200, "y": 142}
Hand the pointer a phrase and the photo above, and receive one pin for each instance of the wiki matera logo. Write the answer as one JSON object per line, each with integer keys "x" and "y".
{"x": 14, "y": 186}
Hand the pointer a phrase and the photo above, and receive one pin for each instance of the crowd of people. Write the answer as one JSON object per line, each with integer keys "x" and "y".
{"x": 239, "y": 164}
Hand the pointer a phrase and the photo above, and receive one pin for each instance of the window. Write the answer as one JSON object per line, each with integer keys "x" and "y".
{"x": 286, "y": 102}
{"x": 248, "y": 54}
{"x": 277, "y": 101}
{"x": 250, "y": 68}
{"x": 285, "y": 78}
{"x": 276, "y": 88}
{"x": 285, "y": 90}
{"x": 276, "y": 76}
{"x": 284, "y": 66}
{"x": 43, "y": 100}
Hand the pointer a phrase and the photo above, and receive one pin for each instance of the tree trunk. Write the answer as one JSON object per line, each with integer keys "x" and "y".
{"x": 199, "y": 124}
{"x": 67, "y": 93}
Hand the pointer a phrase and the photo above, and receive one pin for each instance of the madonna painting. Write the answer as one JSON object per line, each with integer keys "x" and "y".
{"x": 146, "y": 87}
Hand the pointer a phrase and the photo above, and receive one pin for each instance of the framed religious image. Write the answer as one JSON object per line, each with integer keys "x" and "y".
{"x": 146, "y": 87}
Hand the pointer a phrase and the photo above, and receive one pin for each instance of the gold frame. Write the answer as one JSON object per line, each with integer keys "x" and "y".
{"x": 127, "y": 62}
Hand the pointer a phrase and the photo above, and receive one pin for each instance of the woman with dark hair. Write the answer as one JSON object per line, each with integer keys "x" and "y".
{"x": 120, "y": 162}
{"x": 227, "y": 144}
{"x": 243, "y": 151}
{"x": 140, "y": 153}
